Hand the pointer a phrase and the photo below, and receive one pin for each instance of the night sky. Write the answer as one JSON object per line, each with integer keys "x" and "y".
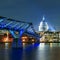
{"x": 32, "y": 11}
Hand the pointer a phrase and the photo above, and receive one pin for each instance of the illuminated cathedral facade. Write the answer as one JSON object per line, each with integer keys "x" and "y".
{"x": 43, "y": 26}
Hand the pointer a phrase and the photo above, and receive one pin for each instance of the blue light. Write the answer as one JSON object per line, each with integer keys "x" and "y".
{"x": 2, "y": 25}
{"x": 51, "y": 28}
{"x": 15, "y": 28}
{"x": 1, "y": 20}
{"x": 7, "y": 24}
{"x": 22, "y": 28}
{"x": 36, "y": 44}
{"x": 21, "y": 32}
{"x": 12, "y": 32}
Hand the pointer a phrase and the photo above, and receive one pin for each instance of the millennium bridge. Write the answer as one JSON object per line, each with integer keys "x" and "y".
{"x": 21, "y": 27}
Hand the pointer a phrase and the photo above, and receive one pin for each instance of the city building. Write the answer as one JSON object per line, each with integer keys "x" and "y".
{"x": 49, "y": 36}
{"x": 46, "y": 33}
{"x": 5, "y": 36}
{"x": 43, "y": 26}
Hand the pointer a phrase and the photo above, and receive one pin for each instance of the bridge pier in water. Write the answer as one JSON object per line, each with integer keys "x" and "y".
{"x": 17, "y": 42}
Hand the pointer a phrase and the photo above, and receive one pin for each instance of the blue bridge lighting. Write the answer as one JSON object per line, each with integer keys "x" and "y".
{"x": 20, "y": 26}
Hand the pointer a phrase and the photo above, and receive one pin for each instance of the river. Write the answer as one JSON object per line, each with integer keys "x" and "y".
{"x": 42, "y": 51}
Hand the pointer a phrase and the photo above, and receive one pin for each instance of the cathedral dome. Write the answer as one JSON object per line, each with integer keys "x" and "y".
{"x": 43, "y": 25}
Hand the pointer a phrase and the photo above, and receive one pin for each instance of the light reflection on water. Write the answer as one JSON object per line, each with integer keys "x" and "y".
{"x": 6, "y": 45}
{"x": 6, "y": 54}
{"x": 41, "y": 45}
{"x": 42, "y": 51}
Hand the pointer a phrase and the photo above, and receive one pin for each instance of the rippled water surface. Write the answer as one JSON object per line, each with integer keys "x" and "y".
{"x": 42, "y": 51}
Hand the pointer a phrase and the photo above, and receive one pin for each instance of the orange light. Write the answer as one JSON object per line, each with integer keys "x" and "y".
{"x": 33, "y": 40}
{"x": 5, "y": 40}
{"x": 24, "y": 37}
{"x": 23, "y": 40}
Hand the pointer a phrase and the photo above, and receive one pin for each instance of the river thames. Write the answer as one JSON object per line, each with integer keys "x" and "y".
{"x": 42, "y": 51}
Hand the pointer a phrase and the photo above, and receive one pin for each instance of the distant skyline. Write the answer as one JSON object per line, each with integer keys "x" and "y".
{"x": 32, "y": 11}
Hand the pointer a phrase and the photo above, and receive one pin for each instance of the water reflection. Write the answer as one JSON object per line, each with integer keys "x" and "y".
{"x": 41, "y": 45}
{"x": 25, "y": 45}
{"x": 16, "y": 54}
{"x": 51, "y": 45}
{"x": 42, "y": 51}
{"x": 6, "y": 45}
{"x": 54, "y": 45}
{"x": 6, "y": 54}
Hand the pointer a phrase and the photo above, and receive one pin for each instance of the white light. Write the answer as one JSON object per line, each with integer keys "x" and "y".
{"x": 43, "y": 18}
{"x": 41, "y": 46}
{"x": 43, "y": 25}
{"x": 6, "y": 45}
